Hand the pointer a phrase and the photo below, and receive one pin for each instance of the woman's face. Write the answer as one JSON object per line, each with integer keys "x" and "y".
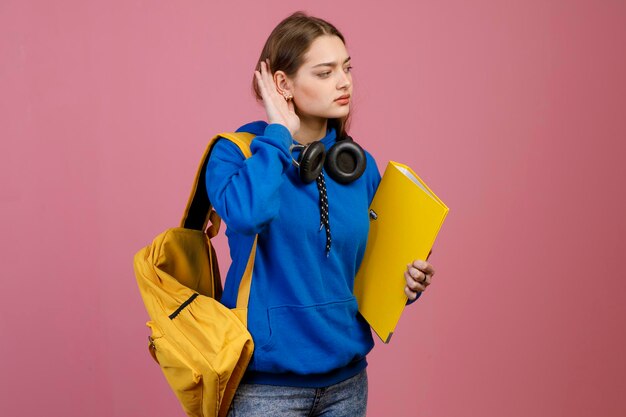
{"x": 324, "y": 77}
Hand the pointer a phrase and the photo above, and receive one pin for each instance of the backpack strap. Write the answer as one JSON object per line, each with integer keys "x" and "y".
{"x": 199, "y": 211}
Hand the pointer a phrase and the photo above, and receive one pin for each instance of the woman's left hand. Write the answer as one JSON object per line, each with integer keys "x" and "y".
{"x": 418, "y": 275}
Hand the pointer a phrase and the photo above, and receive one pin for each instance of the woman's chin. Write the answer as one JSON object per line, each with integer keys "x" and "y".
{"x": 330, "y": 114}
{"x": 338, "y": 113}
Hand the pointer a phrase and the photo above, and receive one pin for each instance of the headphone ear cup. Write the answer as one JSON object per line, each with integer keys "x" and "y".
{"x": 345, "y": 161}
{"x": 311, "y": 161}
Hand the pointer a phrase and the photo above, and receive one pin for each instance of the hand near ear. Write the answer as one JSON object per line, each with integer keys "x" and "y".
{"x": 277, "y": 108}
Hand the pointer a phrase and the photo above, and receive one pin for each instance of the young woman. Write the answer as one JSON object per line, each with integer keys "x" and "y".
{"x": 312, "y": 225}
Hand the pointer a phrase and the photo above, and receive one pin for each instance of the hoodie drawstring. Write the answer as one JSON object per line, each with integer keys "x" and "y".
{"x": 324, "y": 221}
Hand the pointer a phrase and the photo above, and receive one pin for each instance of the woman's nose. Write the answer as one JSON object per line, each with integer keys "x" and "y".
{"x": 344, "y": 81}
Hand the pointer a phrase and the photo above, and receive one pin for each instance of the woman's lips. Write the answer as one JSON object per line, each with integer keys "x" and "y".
{"x": 343, "y": 101}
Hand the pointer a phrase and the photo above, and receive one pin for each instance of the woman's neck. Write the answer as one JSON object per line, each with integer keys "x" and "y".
{"x": 311, "y": 130}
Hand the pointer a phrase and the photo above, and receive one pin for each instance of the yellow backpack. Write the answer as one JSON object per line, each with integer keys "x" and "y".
{"x": 203, "y": 347}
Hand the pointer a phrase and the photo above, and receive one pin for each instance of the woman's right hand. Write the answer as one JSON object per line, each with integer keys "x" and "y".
{"x": 277, "y": 108}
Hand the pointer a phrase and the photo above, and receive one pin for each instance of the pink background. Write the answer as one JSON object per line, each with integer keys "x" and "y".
{"x": 512, "y": 111}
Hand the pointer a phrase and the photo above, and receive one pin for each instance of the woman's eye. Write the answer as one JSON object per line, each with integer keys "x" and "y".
{"x": 327, "y": 73}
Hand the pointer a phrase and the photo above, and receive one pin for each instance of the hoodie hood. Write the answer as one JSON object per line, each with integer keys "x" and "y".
{"x": 258, "y": 128}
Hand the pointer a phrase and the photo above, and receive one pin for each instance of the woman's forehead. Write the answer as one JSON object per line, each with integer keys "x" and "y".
{"x": 326, "y": 50}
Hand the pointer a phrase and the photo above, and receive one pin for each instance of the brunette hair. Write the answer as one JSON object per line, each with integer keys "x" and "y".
{"x": 286, "y": 46}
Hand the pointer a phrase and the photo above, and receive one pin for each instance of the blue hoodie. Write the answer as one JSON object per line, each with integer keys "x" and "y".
{"x": 302, "y": 313}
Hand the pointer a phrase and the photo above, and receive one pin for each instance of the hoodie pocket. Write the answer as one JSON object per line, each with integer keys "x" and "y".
{"x": 314, "y": 339}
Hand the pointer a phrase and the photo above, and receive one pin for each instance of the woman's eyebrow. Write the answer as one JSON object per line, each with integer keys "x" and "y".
{"x": 330, "y": 64}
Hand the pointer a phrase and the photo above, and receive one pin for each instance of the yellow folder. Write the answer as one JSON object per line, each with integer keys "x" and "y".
{"x": 405, "y": 217}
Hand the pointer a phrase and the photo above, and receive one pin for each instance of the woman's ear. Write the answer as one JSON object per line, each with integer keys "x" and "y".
{"x": 283, "y": 84}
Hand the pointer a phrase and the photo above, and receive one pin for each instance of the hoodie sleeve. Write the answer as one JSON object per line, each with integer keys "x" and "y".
{"x": 373, "y": 179}
{"x": 244, "y": 192}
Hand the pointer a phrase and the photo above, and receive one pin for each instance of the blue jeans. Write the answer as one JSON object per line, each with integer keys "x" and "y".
{"x": 345, "y": 399}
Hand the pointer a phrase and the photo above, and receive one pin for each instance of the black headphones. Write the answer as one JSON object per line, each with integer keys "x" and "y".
{"x": 345, "y": 160}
